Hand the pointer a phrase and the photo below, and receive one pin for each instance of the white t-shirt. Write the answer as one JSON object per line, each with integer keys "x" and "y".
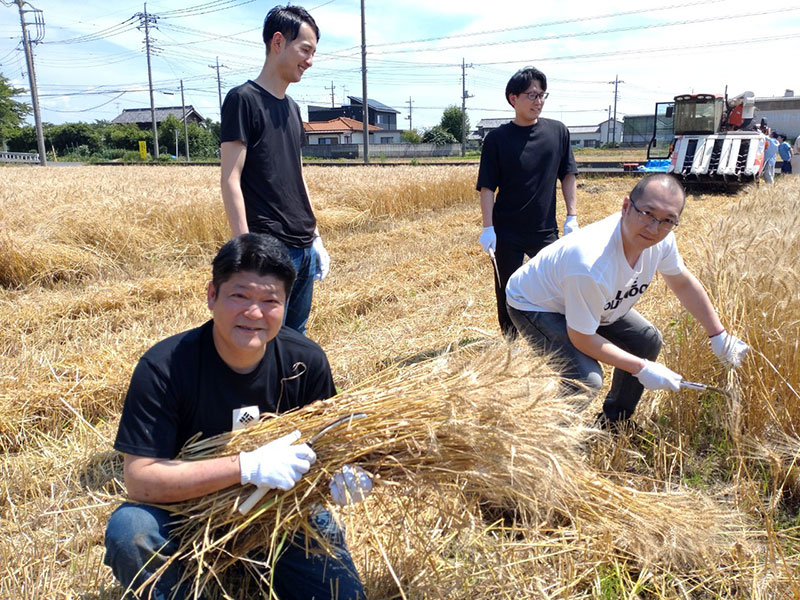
{"x": 586, "y": 277}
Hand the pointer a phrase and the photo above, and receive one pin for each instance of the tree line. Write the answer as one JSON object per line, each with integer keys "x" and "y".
{"x": 102, "y": 140}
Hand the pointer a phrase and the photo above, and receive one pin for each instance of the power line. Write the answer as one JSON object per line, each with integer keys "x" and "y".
{"x": 126, "y": 25}
{"x": 637, "y": 51}
{"x": 204, "y": 9}
{"x": 597, "y": 31}
{"x": 87, "y": 109}
{"x": 544, "y": 24}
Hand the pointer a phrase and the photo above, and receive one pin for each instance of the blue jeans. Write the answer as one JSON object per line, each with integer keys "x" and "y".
{"x": 138, "y": 542}
{"x": 298, "y": 306}
{"x": 633, "y": 333}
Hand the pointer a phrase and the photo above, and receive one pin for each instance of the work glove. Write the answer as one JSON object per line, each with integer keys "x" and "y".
{"x": 655, "y": 376}
{"x": 323, "y": 259}
{"x": 349, "y": 485}
{"x": 729, "y": 349}
{"x": 570, "y": 224}
{"x": 488, "y": 239}
{"x": 279, "y": 464}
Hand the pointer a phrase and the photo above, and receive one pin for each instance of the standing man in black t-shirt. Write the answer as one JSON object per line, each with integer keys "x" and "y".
{"x": 522, "y": 160}
{"x": 262, "y": 182}
{"x": 216, "y": 378}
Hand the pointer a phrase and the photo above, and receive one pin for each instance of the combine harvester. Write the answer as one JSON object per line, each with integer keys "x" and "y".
{"x": 710, "y": 141}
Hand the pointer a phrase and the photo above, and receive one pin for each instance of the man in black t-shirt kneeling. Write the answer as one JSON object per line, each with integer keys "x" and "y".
{"x": 522, "y": 160}
{"x": 209, "y": 380}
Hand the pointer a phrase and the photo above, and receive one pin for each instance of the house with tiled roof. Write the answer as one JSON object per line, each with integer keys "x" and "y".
{"x": 378, "y": 114}
{"x": 341, "y": 130}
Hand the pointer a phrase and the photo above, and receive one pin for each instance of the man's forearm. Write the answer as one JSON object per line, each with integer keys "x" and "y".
{"x": 311, "y": 204}
{"x": 233, "y": 201}
{"x": 163, "y": 481}
{"x": 569, "y": 189}
{"x": 487, "y": 206}
{"x": 599, "y": 348}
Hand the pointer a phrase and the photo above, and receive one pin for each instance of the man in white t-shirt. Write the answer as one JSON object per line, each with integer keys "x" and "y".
{"x": 575, "y": 298}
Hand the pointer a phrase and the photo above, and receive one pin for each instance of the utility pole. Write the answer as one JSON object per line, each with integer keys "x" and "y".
{"x": 344, "y": 94}
{"x": 333, "y": 98}
{"x": 144, "y": 21}
{"x": 27, "y": 42}
{"x": 364, "y": 102}
{"x": 410, "y": 126}
{"x": 616, "y": 83}
{"x": 464, "y": 96}
{"x": 185, "y": 126}
{"x": 219, "y": 85}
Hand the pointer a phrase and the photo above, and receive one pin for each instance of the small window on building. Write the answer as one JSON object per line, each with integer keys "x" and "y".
{"x": 386, "y": 140}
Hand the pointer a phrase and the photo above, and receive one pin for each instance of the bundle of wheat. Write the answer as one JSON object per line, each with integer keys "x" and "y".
{"x": 479, "y": 429}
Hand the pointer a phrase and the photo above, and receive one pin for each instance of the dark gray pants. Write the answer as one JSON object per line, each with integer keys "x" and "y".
{"x": 633, "y": 333}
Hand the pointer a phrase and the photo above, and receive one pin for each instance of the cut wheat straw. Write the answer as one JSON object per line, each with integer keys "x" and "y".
{"x": 483, "y": 428}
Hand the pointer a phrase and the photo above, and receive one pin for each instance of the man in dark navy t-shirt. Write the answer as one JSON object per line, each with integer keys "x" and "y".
{"x": 216, "y": 378}
{"x": 262, "y": 182}
{"x": 521, "y": 161}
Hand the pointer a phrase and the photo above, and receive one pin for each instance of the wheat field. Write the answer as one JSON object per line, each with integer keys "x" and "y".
{"x": 701, "y": 501}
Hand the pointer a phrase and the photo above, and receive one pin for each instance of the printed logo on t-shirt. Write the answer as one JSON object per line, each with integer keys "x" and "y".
{"x": 633, "y": 291}
{"x": 242, "y": 417}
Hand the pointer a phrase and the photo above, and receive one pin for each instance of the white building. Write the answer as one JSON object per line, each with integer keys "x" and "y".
{"x": 594, "y": 136}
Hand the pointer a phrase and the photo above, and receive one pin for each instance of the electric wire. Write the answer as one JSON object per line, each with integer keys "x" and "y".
{"x": 543, "y": 24}
{"x": 548, "y": 38}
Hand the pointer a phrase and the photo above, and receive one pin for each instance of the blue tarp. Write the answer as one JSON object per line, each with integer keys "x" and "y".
{"x": 655, "y": 166}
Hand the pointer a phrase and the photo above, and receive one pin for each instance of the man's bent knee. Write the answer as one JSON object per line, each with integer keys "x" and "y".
{"x": 654, "y": 341}
{"x": 594, "y": 383}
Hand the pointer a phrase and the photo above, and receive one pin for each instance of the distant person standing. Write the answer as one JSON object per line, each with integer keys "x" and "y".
{"x": 262, "y": 181}
{"x": 770, "y": 157}
{"x": 796, "y": 156}
{"x": 522, "y": 161}
{"x": 785, "y": 152}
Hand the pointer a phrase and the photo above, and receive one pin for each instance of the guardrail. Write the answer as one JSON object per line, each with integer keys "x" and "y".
{"x": 19, "y": 157}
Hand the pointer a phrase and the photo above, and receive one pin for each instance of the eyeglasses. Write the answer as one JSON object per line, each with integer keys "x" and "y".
{"x": 647, "y": 218}
{"x": 534, "y": 96}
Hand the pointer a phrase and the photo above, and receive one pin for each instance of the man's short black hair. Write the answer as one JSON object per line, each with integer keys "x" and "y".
{"x": 522, "y": 80}
{"x": 254, "y": 252}
{"x": 670, "y": 181}
{"x": 287, "y": 19}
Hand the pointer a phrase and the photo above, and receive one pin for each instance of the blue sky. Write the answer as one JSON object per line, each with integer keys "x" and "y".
{"x": 415, "y": 51}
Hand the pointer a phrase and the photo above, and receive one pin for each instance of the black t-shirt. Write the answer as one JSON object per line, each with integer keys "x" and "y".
{"x": 181, "y": 387}
{"x": 523, "y": 164}
{"x": 275, "y": 198}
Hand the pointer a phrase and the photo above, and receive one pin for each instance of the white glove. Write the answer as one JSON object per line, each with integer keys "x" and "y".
{"x": 278, "y": 464}
{"x": 350, "y": 485}
{"x": 728, "y": 349}
{"x": 323, "y": 259}
{"x": 570, "y": 224}
{"x": 655, "y": 376}
{"x": 488, "y": 239}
